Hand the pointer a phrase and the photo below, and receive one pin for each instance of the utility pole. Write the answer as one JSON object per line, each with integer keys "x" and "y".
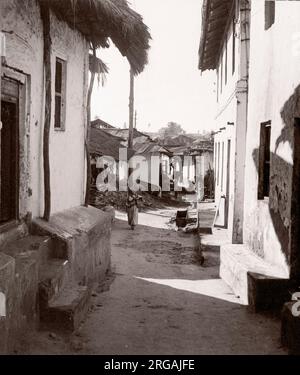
{"x": 131, "y": 110}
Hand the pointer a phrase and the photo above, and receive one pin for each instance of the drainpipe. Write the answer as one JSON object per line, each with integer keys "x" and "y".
{"x": 45, "y": 14}
{"x": 241, "y": 123}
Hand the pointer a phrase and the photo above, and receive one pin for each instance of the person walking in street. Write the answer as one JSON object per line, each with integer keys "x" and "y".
{"x": 132, "y": 208}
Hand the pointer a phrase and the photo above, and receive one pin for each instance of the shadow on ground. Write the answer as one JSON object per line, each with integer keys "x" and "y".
{"x": 162, "y": 302}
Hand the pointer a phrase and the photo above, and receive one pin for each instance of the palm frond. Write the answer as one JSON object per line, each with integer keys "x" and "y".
{"x": 98, "y": 67}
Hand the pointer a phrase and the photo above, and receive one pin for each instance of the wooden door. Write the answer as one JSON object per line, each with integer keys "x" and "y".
{"x": 9, "y": 152}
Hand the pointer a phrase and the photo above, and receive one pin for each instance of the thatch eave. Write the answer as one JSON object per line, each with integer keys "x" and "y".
{"x": 101, "y": 20}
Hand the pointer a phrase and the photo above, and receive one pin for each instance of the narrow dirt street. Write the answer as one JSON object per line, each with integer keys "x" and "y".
{"x": 159, "y": 300}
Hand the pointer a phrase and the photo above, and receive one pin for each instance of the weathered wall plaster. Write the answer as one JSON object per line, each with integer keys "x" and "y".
{"x": 25, "y": 53}
{"x": 273, "y": 96}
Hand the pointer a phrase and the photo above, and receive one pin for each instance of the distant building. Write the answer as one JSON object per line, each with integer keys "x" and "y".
{"x": 179, "y": 140}
{"x": 158, "y": 163}
{"x": 144, "y": 146}
{"x": 138, "y": 136}
{"x": 100, "y": 124}
{"x": 224, "y": 47}
{"x": 104, "y": 151}
{"x": 186, "y": 156}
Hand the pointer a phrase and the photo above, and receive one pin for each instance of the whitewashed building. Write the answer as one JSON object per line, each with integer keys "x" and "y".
{"x": 254, "y": 46}
{"x": 50, "y": 263}
{"x": 224, "y": 47}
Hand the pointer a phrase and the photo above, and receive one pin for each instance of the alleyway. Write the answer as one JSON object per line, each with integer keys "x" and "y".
{"x": 158, "y": 300}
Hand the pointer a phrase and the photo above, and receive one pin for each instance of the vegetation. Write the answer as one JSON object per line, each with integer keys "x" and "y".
{"x": 171, "y": 130}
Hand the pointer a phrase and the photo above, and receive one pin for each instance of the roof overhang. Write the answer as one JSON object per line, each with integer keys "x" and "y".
{"x": 102, "y": 20}
{"x": 215, "y": 15}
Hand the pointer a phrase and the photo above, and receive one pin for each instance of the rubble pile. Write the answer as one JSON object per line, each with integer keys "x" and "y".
{"x": 118, "y": 199}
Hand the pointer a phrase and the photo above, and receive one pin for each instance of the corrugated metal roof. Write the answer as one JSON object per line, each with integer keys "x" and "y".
{"x": 104, "y": 144}
{"x": 124, "y": 133}
{"x": 150, "y": 148}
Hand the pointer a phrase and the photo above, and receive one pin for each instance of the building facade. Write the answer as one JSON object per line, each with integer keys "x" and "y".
{"x": 254, "y": 48}
{"x": 53, "y": 246}
{"x": 23, "y": 103}
{"x": 34, "y": 274}
{"x": 271, "y": 221}
{"x": 224, "y": 47}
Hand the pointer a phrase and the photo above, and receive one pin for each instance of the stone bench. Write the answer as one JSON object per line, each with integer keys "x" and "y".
{"x": 250, "y": 277}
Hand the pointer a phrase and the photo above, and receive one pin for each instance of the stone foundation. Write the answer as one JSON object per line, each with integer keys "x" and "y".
{"x": 237, "y": 261}
{"x": 83, "y": 237}
{"x": 290, "y": 329}
{"x": 50, "y": 273}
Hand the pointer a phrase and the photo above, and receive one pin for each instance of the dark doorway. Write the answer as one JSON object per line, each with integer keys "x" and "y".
{"x": 295, "y": 214}
{"x": 9, "y": 153}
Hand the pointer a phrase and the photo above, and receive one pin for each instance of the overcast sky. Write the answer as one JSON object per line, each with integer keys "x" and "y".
{"x": 171, "y": 88}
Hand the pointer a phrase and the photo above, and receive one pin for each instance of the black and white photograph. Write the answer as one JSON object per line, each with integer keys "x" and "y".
{"x": 149, "y": 181}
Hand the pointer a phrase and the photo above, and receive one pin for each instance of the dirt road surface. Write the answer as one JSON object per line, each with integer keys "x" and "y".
{"x": 159, "y": 300}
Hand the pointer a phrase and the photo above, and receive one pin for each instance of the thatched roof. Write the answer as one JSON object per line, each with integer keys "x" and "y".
{"x": 99, "y": 20}
{"x": 215, "y": 14}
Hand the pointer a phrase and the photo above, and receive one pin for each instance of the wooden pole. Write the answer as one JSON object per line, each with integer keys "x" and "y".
{"x": 131, "y": 110}
{"x": 2, "y": 56}
{"x": 45, "y": 13}
{"x": 87, "y": 140}
{"x": 131, "y": 118}
{"x": 2, "y": 52}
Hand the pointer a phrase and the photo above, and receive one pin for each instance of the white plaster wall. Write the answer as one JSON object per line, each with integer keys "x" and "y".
{"x": 230, "y": 123}
{"x": 227, "y": 115}
{"x": 274, "y": 74}
{"x": 228, "y": 89}
{"x": 188, "y": 170}
{"x": 25, "y": 52}
{"x": 67, "y": 147}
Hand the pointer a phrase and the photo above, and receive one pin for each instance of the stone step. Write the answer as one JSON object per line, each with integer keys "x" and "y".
{"x": 66, "y": 310}
{"x": 82, "y": 236}
{"x": 45, "y": 246}
{"x": 52, "y": 248}
{"x": 290, "y": 327}
{"x": 7, "y": 281}
{"x": 53, "y": 276}
{"x": 38, "y": 244}
{"x": 19, "y": 288}
{"x": 237, "y": 261}
{"x": 58, "y": 240}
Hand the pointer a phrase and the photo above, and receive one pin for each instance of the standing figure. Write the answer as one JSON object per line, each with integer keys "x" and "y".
{"x": 132, "y": 208}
